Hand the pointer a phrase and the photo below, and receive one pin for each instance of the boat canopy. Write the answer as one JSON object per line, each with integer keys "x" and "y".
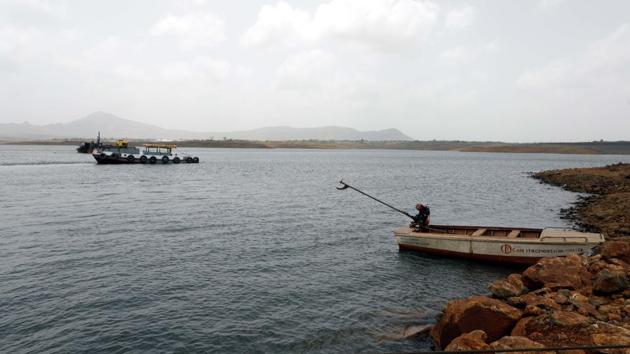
{"x": 160, "y": 146}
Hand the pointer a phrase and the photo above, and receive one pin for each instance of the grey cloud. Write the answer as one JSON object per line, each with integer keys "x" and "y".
{"x": 445, "y": 70}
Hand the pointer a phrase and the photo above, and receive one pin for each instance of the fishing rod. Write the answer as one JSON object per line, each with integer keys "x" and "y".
{"x": 346, "y": 185}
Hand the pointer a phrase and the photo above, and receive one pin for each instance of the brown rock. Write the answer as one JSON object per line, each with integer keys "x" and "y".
{"x": 610, "y": 282}
{"x": 560, "y": 299}
{"x": 564, "y": 292}
{"x": 567, "y": 319}
{"x": 568, "y": 272}
{"x": 587, "y": 309}
{"x": 516, "y": 301}
{"x": 616, "y": 249}
{"x": 595, "y": 267}
{"x": 598, "y": 300}
{"x": 605, "y": 333}
{"x": 503, "y": 290}
{"x": 587, "y": 290}
{"x": 542, "y": 291}
{"x": 578, "y": 297}
{"x": 594, "y": 258}
{"x": 612, "y": 308}
{"x": 492, "y": 316}
{"x": 531, "y": 310}
{"x": 614, "y": 317}
{"x": 517, "y": 281}
{"x": 615, "y": 268}
{"x": 512, "y": 286}
{"x": 617, "y": 264}
{"x": 558, "y": 328}
{"x": 543, "y": 302}
{"x": 516, "y": 342}
{"x": 519, "y": 329}
{"x": 475, "y": 340}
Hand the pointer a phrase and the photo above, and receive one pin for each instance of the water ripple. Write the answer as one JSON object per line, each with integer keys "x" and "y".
{"x": 249, "y": 251}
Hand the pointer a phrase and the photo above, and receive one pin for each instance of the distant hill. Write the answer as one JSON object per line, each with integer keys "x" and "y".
{"x": 284, "y": 133}
{"x": 112, "y": 126}
{"x": 87, "y": 127}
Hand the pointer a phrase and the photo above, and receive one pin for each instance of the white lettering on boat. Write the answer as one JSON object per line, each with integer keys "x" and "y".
{"x": 509, "y": 249}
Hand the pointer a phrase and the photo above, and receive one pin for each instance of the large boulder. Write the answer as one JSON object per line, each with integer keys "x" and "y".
{"x": 559, "y": 272}
{"x": 492, "y": 316}
{"x": 475, "y": 340}
{"x": 607, "y": 282}
{"x": 557, "y": 328}
{"x": 516, "y": 342}
{"x": 616, "y": 249}
{"x": 509, "y": 287}
{"x": 605, "y": 333}
{"x": 562, "y": 328}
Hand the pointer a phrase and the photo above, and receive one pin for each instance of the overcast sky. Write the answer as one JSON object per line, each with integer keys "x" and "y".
{"x": 535, "y": 70}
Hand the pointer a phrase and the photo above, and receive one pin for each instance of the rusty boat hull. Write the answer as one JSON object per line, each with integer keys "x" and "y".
{"x": 496, "y": 244}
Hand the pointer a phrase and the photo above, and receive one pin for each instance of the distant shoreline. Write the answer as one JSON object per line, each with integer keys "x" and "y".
{"x": 582, "y": 148}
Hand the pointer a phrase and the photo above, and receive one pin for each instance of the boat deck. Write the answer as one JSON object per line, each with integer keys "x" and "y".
{"x": 493, "y": 233}
{"x": 479, "y": 231}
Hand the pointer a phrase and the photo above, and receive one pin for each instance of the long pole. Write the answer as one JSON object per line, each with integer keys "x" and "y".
{"x": 346, "y": 185}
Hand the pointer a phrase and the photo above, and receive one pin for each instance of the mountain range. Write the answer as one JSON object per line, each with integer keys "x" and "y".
{"x": 112, "y": 126}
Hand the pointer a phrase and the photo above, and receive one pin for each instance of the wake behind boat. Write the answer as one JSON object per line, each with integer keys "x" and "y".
{"x": 487, "y": 243}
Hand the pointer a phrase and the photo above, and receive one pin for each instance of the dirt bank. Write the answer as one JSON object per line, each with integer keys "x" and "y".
{"x": 607, "y": 209}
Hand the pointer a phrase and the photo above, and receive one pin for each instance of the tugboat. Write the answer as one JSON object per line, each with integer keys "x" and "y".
{"x": 122, "y": 153}
{"x": 88, "y": 147}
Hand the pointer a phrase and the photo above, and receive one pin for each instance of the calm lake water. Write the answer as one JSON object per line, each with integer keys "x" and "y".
{"x": 249, "y": 251}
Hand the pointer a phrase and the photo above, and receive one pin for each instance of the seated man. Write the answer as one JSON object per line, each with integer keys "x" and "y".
{"x": 421, "y": 220}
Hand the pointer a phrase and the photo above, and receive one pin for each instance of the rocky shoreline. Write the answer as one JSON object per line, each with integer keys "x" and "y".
{"x": 606, "y": 208}
{"x": 562, "y": 301}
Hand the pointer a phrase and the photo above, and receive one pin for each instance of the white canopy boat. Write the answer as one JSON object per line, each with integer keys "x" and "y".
{"x": 496, "y": 244}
